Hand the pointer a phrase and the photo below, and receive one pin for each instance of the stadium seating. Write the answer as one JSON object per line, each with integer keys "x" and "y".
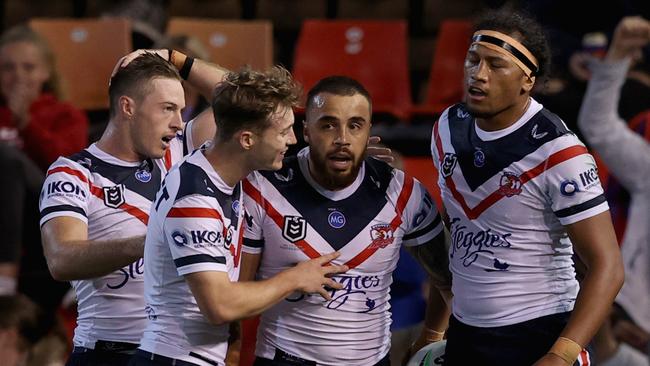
{"x": 373, "y": 52}
{"x": 446, "y": 77}
{"x": 231, "y": 43}
{"x": 86, "y": 51}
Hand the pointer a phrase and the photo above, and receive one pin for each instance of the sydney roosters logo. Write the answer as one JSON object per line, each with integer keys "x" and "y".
{"x": 509, "y": 185}
{"x": 382, "y": 236}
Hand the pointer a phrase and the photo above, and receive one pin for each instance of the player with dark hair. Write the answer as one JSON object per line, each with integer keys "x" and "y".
{"x": 521, "y": 193}
{"x": 331, "y": 197}
{"x": 95, "y": 204}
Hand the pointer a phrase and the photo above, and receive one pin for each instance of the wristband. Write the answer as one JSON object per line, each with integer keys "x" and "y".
{"x": 433, "y": 335}
{"x": 184, "y": 71}
{"x": 566, "y": 349}
{"x": 181, "y": 62}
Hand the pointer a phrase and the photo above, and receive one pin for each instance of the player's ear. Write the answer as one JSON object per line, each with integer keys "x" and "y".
{"x": 246, "y": 139}
{"x": 529, "y": 82}
{"x": 127, "y": 106}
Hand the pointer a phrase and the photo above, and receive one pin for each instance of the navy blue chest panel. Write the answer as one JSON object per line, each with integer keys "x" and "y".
{"x": 143, "y": 179}
{"x": 338, "y": 222}
{"x": 481, "y": 160}
{"x": 194, "y": 180}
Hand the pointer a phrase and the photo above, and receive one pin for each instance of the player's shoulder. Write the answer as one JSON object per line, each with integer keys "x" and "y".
{"x": 380, "y": 172}
{"x": 191, "y": 179}
{"x": 284, "y": 175}
{"x": 78, "y": 164}
{"x": 283, "y": 179}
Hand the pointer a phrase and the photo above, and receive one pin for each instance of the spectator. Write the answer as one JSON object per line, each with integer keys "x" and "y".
{"x": 627, "y": 156}
{"x": 18, "y": 329}
{"x": 35, "y": 128}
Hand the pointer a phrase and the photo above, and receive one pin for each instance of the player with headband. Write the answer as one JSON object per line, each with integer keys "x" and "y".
{"x": 521, "y": 194}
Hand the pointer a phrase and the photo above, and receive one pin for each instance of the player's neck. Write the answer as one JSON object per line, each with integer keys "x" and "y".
{"x": 228, "y": 161}
{"x": 504, "y": 118}
{"x": 117, "y": 142}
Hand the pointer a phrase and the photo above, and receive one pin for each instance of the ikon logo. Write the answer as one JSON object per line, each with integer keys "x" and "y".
{"x": 65, "y": 187}
{"x": 294, "y": 228}
{"x": 589, "y": 177}
{"x": 205, "y": 236}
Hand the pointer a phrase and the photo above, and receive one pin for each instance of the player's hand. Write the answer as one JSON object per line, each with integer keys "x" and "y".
{"x": 550, "y": 359}
{"x": 164, "y": 53}
{"x": 415, "y": 347}
{"x": 631, "y": 34}
{"x": 234, "y": 344}
{"x": 313, "y": 276}
{"x": 379, "y": 152}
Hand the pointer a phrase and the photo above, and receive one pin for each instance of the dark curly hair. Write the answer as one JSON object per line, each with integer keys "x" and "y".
{"x": 523, "y": 28}
{"x": 246, "y": 99}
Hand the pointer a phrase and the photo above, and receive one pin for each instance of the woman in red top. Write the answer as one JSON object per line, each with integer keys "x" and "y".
{"x": 35, "y": 128}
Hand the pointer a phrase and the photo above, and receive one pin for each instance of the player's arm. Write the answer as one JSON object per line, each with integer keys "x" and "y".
{"x": 203, "y": 76}
{"x": 433, "y": 257}
{"x": 436, "y": 321}
{"x": 71, "y": 256}
{"x": 595, "y": 242}
{"x": 222, "y": 301}
{"x": 425, "y": 241}
{"x": 250, "y": 262}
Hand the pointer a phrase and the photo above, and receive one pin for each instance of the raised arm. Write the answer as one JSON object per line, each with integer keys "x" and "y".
{"x": 625, "y": 152}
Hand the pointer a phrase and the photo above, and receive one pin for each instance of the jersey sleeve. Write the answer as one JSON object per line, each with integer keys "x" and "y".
{"x": 194, "y": 229}
{"x": 253, "y": 216}
{"x": 423, "y": 222}
{"x": 66, "y": 191}
{"x": 572, "y": 182}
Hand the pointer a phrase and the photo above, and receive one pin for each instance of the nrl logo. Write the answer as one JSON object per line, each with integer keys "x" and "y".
{"x": 114, "y": 196}
{"x": 448, "y": 164}
{"x": 294, "y": 228}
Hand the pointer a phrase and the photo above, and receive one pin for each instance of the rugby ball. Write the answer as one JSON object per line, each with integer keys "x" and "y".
{"x": 432, "y": 354}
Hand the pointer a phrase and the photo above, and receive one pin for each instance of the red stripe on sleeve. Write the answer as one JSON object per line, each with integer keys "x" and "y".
{"x": 70, "y": 171}
{"x": 194, "y": 212}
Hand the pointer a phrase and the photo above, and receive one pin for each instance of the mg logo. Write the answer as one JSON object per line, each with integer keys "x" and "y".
{"x": 294, "y": 229}
{"x": 336, "y": 219}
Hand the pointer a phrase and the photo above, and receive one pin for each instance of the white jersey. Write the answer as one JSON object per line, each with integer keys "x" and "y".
{"x": 113, "y": 198}
{"x": 292, "y": 219}
{"x": 195, "y": 226}
{"x": 509, "y": 194}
